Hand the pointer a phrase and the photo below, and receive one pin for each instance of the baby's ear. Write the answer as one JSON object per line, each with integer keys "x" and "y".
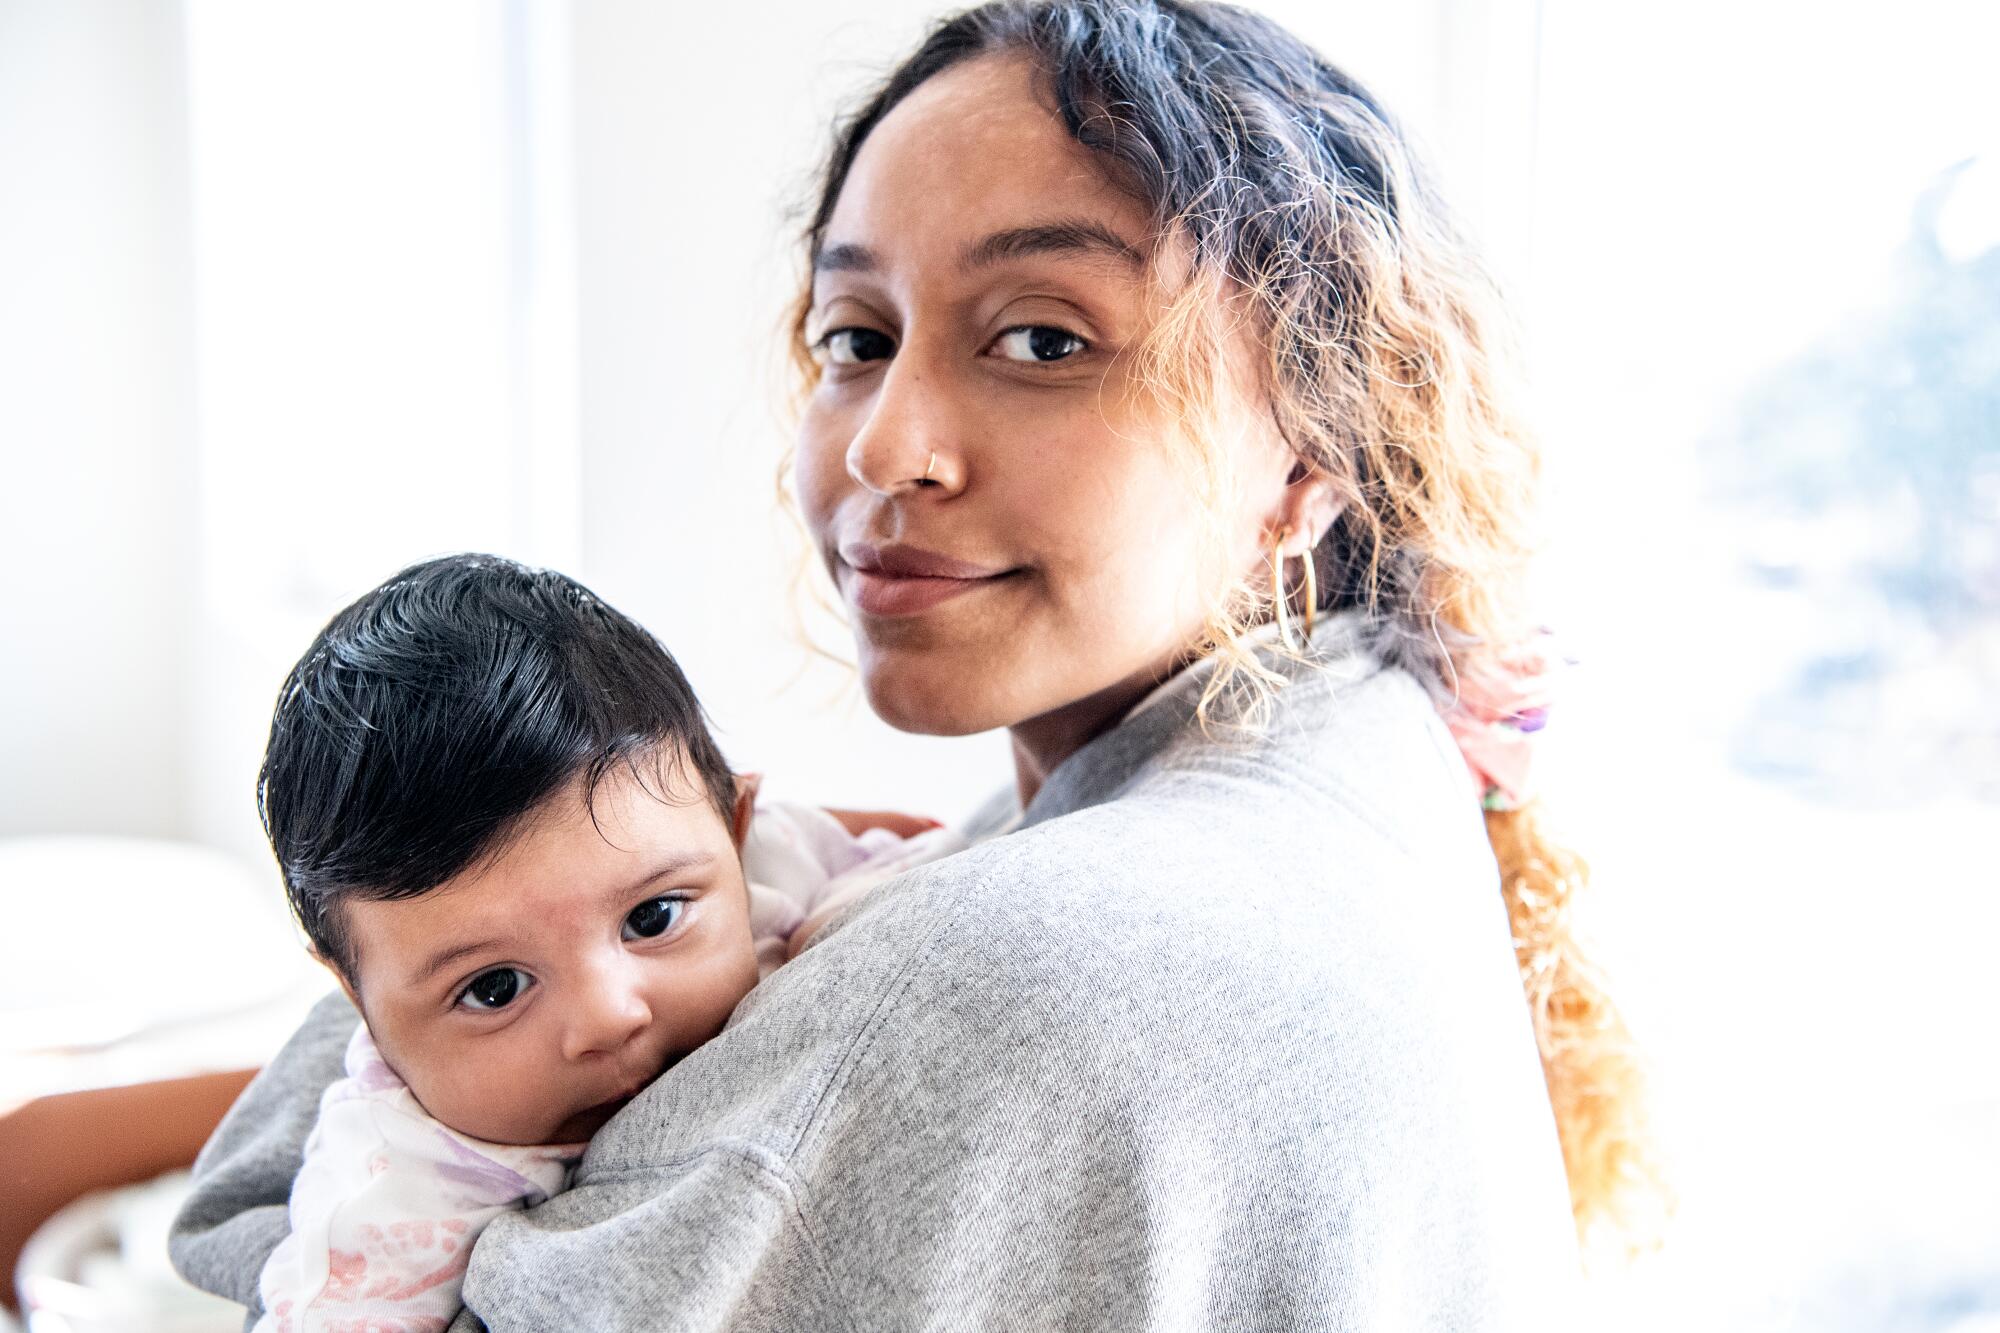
{"x": 747, "y": 786}
{"x": 338, "y": 975}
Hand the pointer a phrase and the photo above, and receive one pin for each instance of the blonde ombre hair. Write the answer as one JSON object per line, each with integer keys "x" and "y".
{"x": 1388, "y": 367}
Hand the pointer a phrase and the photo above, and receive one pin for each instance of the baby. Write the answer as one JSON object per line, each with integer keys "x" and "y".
{"x": 505, "y": 828}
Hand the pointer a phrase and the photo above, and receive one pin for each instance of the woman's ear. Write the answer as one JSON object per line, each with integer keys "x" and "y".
{"x": 747, "y": 786}
{"x": 1307, "y": 508}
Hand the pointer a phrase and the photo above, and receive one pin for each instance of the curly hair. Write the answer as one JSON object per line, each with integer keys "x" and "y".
{"x": 1388, "y": 365}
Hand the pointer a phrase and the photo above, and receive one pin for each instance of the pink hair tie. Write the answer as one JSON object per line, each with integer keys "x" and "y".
{"x": 1501, "y": 708}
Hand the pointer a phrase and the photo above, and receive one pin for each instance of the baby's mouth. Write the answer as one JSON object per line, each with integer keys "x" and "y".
{"x": 639, "y": 1085}
{"x": 591, "y": 1119}
{"x": 584, "y": 1123}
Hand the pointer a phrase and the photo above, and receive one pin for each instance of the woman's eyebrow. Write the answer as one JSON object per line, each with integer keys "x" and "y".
{"x": 1070, "y": 236}
{"x": 845, "y": 259}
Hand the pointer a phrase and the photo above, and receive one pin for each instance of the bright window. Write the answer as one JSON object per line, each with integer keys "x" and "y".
{"x": 1765, "y": 306}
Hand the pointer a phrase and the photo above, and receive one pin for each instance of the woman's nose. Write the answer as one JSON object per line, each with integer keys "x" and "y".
{"x": 906, "y": 443}
{"x": 610, "y": 1011}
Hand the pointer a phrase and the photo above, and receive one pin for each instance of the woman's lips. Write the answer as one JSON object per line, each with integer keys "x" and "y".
{"x": 891, "y": 595}
{"x": 905, "y": 580}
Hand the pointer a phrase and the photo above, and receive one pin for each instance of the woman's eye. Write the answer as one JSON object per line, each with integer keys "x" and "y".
{"x": 1038, "y": 343}
{"x": 655, "y": 916}
{"x": 495, "y": 989}
{"x": 848, "y": 347}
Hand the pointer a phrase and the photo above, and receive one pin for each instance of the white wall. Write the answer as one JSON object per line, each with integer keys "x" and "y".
{"x": 467, "y": 274}
{"x": 96, "y": 436}
{"x": 358, "y": 222}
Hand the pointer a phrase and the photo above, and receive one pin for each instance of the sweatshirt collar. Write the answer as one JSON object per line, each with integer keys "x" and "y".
{"x": 1108, "y": 763}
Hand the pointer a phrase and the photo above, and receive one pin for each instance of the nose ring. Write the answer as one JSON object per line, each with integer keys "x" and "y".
{"x": 931, "y": 466}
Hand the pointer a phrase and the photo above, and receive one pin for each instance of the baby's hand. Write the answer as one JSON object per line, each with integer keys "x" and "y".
{"x": 915, "y": 841}
{"x": 810, "y": 926}
{"x": 859, "y": 822}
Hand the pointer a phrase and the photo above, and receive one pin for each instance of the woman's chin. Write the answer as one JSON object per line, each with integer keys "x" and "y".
{"x": 932, "y": 697}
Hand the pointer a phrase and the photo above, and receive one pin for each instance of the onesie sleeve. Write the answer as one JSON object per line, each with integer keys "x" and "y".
{"x": 236, "y": 1215}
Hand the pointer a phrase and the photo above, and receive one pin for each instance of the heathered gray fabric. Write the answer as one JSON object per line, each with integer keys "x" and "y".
{"x": 1228, "y": 1034}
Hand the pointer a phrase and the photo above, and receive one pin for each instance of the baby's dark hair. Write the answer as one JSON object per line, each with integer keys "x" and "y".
{"x": 436, "y": 712}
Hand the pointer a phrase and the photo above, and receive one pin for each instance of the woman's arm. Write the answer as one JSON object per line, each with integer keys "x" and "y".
{"x": 243, "y": 1178}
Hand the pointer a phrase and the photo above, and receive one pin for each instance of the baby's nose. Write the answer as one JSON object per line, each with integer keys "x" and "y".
{"x": 610, "y": 1015}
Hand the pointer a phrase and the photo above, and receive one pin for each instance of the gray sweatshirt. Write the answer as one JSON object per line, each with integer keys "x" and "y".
{"x": 1227, "y": 1034}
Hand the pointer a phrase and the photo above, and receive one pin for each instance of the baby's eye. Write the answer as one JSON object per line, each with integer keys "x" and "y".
{"x": 847, "y": 347}
{"x": 495, "y": 989}
{"x": 1038, "y": 343}
{"x": 655, "y": 916}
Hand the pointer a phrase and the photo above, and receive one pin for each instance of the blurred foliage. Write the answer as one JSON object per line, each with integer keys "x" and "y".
{"x": 1863, "y": 484}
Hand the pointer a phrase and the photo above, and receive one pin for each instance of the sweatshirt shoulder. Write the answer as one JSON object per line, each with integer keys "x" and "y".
{"x": 1335, "y": 856}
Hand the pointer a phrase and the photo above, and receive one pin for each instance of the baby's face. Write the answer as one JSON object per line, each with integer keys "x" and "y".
{"x": 528, "y": 998}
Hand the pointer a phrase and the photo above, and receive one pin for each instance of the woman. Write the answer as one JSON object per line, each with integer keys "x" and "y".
{"x": 1155, "y": 415}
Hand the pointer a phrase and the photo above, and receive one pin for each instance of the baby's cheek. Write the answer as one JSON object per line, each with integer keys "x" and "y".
{"x": 700, "y": 1007}
{"x": 512, "y": 1110}
{"x": 738, "y": 982}
{"x": 477, "y": 1093}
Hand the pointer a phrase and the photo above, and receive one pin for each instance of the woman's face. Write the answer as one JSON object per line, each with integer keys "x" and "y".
{"x": 1003, "y": 514}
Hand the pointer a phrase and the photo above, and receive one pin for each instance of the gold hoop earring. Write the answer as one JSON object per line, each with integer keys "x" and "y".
{"x": 1312, "y": 591}
{"x": 1280, "y": 595}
